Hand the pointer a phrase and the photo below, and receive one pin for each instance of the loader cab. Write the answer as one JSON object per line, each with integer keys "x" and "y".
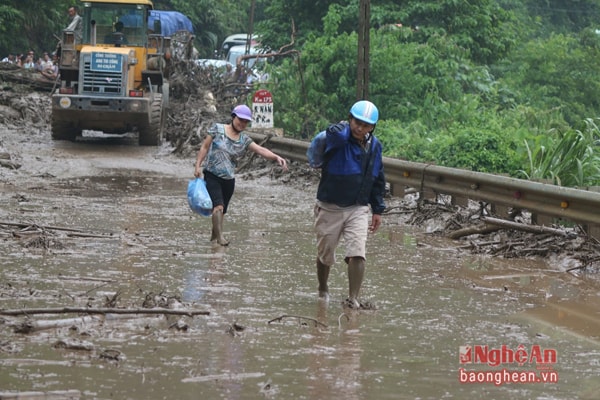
{"x": 115, "y": 24}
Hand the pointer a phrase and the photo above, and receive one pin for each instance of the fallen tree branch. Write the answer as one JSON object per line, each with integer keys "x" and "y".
{"x": 91, "y": 235}
{"x": 54, "y": 228}
{"x": 472, "y": 230}
{"x": 279, "y": 319}
{"x": 9, "y": 164}
{"x": 495, "y": 224}
{"x": 30, "y": 326}
{"x": 54, "y": 394}
{"x": 84, "y": 310}
{"x": 523, "y": 227}
{"x": 35, "y": 326}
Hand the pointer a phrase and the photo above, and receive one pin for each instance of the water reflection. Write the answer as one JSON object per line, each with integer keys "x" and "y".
{"x": 431, "y": 300}
{"x": 203, "y": 275}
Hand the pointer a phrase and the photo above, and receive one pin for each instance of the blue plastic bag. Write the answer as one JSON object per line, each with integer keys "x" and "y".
{"x": 316, "y": 150}
{"x": 198, "y": 197}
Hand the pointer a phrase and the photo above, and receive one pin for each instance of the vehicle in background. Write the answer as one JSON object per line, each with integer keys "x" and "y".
{"x": 251, "y": 69}
{"x": 115, "y": 79}
{"x": 236, "y": 40}
{"x": 240, "y": 50}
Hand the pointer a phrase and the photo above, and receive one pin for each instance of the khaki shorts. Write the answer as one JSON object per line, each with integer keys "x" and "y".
{"x": 333, "y": 223}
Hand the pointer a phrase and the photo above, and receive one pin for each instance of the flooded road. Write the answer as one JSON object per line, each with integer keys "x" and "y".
{"x": 267, "y": 335}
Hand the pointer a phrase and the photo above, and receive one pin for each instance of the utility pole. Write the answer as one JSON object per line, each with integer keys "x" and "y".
{"x": 362, "y": 81}
{"x": 250, "y": 31}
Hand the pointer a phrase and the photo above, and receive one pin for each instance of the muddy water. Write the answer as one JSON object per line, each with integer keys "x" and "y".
{"x": 261, "y": 339}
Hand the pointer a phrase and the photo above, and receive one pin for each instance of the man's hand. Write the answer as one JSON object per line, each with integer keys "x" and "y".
{"x": 375, "y": 223}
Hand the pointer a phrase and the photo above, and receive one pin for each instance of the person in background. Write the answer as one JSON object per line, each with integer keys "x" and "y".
{"x": 50, "y": 71}
{"x": 76, "y": 24}
{"x": 9, "y": 59}
{"x": 20, "y": 59}
{"x": 223, "y": 146}
{"x": 352, "y": 178}
{"x": 117, "y": 37}
{"x": 29, "y": 64}
{"x": 46, "y": 62}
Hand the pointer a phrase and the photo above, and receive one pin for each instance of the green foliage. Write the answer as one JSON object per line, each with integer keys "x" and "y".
{"x": 559, "y": 72}
{"x": 568, "y": 159}
{"x": 411, "y": 141}
{"x": 482, "y": 150}
{"x": 479, "y": 143}
{"x": 563, "y": 16}
{"x": 31, "y": 25}
{"x": 479, "y": 26}
{"x": 300, "y": 18}
{"x": 213, "y": 20}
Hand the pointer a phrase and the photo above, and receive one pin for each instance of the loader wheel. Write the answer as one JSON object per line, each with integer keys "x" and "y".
{"x": 151, "y": 134}
{"x": 62, "y": 130}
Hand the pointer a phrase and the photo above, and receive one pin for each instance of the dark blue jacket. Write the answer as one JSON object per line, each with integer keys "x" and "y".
{"x": 352, "y": 175}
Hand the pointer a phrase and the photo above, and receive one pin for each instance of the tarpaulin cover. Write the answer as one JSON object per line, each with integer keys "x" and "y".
{"x": 170, "y": 22}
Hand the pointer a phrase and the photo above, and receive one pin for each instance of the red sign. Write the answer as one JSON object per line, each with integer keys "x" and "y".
{"x": 262, "y": 96}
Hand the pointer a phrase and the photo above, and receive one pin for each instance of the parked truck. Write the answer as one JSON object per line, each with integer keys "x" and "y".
{"x": 115, "y": 78}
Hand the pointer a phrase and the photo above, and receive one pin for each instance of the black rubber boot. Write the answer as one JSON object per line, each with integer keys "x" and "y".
{"x": 323, "y": 276}
{"x": 217, "y": 228}
{"x": 356, "y": 273}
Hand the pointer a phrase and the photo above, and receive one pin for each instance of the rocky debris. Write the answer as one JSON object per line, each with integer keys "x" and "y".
{"x": 13, "y": 74}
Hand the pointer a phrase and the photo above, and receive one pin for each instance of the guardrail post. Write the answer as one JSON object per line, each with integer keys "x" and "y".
{"x": 542, "y": 219}
{"x": 460, "y": 201}
{"x": 593, "y": 229}
{"x": 499, "y": 210}
{"x": 428, "y": 194}
{"x": 397, "y": 190}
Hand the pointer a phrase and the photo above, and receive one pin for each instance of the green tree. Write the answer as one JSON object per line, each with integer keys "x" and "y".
{"x": 213, "y": 19}
{"x": 563, "y": 16}
{"x": 557, "y": 72}
{"x": 480, "y": 26}
{"x": 30, "y": 24}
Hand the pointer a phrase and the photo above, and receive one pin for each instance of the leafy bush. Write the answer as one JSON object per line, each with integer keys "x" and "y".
{"x": 568, "y": 159}
{"x": 477, "y": 149}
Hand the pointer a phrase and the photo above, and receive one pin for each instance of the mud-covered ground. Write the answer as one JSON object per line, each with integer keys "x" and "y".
{"x": 200, "y": 97}
{"x": 115, "y": 170}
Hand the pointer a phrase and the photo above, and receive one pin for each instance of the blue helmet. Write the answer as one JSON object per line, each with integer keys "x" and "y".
{"x": 365, "y": 111}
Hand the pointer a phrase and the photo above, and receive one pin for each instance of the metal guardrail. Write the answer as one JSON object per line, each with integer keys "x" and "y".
{"x": 571, "y": 204}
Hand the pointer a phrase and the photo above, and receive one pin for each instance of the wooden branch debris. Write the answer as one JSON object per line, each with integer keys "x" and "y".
{"x": 495, "y": 224}
{"x": 34, "y": 80}
{"x": 472, "y": 230}
{"x": 48, "y": 227}
{"x": 524, "y": 227}
{"x": 35, "y": 326}
{"x": 9, "y": 164}
{"x": 50, "y": 395}
{"x": 279, "y": 319}
{"x": 84, "y": 310}
{"x": 29, "y": 326}
{"x": 74, "y": 231}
